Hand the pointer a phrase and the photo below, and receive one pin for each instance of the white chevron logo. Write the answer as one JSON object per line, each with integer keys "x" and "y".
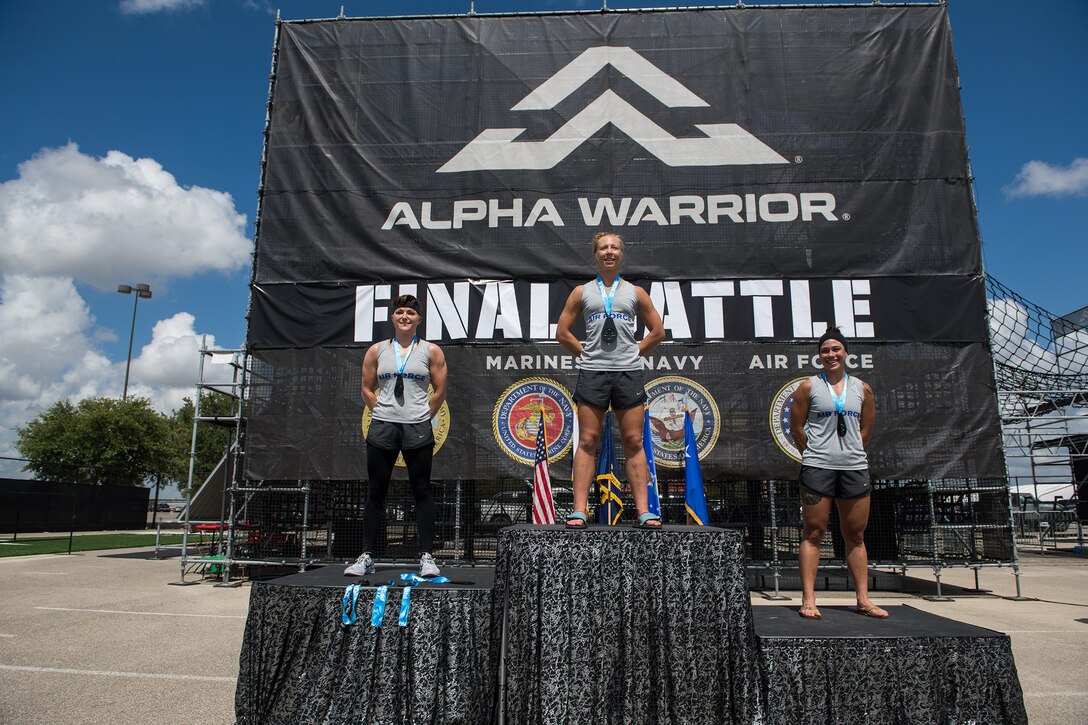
{"x": 726, "y": 144}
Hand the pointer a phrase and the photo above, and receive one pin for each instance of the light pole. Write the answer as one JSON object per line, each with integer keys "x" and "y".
{"x": 141, "y": 290}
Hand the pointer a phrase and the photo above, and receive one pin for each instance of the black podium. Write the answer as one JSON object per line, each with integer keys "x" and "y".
{"x": 913, "y": 667}
{"x": 624, "y": 625}
{"x": 299, "y": 664}
{"x": 607, "y": 625}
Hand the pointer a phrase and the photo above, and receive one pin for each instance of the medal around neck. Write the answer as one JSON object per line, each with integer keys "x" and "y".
{"x": 840, "y": 403}
{"x": 608, "y": 332}
{"x": 398, "y": 386}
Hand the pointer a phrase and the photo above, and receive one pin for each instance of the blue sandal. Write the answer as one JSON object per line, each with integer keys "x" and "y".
{"x": 645, "y": 519}
{"x": 577, "y": 516}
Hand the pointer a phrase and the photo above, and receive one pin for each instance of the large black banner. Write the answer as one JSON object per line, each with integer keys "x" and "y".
{"x": 475, "y": 311}
{"x": 772, "y": 170}
{"x": 754, "y": 142}
{"x": 928, "y": 418}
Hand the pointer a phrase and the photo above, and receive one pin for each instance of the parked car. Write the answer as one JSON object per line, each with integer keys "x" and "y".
{"x": 1067, "y": 504}
{"x": 1031, "y": 514}
{"x": 513, "y": 507}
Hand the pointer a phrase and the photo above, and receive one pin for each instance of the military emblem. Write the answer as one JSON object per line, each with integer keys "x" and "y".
{"x": 667, "y": 400}
{"x": 780, "y": 418}
{"x": 516, "y": 419}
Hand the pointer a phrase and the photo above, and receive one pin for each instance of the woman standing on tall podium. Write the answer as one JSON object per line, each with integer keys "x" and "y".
{"x": 831, "y": 418}
{"x": 396, "y": 374}
{"x": 610, "y": 371}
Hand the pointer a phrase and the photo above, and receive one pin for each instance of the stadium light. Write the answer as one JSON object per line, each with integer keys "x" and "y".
{"x": 141, "y": 290}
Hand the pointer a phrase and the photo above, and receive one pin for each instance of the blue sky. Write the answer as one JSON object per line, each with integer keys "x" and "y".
{"x": 132, "y": 125}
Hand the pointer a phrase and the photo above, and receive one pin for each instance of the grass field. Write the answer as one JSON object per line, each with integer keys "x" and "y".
{"x": 82, "y": 542}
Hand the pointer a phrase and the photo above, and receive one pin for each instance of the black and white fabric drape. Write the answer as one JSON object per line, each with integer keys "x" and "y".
{"x": 299, "y": 665}
{"x": 901, "y": 680}
{"x": 619, "y": 625}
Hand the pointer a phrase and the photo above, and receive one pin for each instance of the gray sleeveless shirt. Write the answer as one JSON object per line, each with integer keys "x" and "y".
{"x": 623, "y": 353}
{"x": 825, "y": 448}
{"x": 414, "y": 405}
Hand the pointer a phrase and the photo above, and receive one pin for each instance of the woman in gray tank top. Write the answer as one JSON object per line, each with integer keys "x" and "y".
{"x": 396, "y": 376}
{"x": 831, "y": 418}
{"x": 610, "y": 371}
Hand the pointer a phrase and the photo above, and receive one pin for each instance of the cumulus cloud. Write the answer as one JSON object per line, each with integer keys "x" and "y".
{"x": 99, "y": 220}
{"x": 168, "y": 367}
{"x": 142, "y": 7}
{"x": 47, "y": 353}
{"x": 1038, "y": 178}
{"x": 71, "y": 218}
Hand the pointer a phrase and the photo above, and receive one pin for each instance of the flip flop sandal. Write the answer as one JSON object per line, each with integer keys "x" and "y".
{"x": 645, "y": 519}
{"x": 577, "y": 516}
{"x": 873, "y": 611}
{"x": 809, "y": 611}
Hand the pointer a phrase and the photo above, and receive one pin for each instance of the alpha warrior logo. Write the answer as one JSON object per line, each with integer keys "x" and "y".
{"x": 726, "y": 144}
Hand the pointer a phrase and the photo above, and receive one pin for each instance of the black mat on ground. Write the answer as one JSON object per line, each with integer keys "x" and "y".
{"x": 461, "y": 577}
{"x": 299, "y": 663}
{"x": 914, "y": 667}
{"x": 903, "y": 621}
{"x": 621, "y": 625}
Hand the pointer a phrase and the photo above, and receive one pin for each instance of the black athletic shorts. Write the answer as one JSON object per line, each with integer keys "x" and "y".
{"x": 400, "y": 436}
{"x": 836, "y": 484}
{"x": 622, "y": 389}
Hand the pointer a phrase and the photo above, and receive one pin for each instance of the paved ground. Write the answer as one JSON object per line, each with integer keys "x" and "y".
{"x": 97, "y": 638}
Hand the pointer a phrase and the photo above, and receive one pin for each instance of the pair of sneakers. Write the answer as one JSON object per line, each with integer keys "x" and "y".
{"x": 365, "y": 565}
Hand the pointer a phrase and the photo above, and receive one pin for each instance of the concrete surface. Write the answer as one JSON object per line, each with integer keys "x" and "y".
{"x": 94, "y": 638}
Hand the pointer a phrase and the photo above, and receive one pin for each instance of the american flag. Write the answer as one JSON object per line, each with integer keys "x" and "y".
{"x": 543, "y": 504}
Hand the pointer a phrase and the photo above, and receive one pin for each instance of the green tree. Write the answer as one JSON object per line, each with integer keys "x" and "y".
{"x": 99, "y": 441}
{"x": 211, "y": 439}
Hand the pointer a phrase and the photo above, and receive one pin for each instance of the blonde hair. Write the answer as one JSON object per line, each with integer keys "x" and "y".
{"x": 601, "y": 235}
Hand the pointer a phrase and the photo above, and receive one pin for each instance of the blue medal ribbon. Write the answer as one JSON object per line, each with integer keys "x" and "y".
{"x": 838, "y": 400}
{"x": 609, "y": 298}
{"x": 410, "y": 580}
{"x": 405, "y": 603}
{"x": 377, "y": 613}
{"x": 351, "y": 596}
{"x": 401, "y": 364}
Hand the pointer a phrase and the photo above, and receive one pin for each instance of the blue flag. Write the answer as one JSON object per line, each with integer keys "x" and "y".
{"x": 653, "y": 500}
{"x": 694, "y": 495}
{"x": 611, "y": 506}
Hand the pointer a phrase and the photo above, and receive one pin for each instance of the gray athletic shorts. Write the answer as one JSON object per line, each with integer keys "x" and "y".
{"x": 622, "y": 388}
{"x": 400, "y": 436}
{"x": 836, "y": 484}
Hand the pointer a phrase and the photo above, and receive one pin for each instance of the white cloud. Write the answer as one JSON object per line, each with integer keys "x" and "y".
{"x": 167, "y": 369}
{"x": 99, "y": 220}
{"x": 47, "y": 354}
{"x": 139, "y": 7}
{"x": 43, "y": 324}
{"x": 72, "y": 218}
{"x": 1038, "y": 178}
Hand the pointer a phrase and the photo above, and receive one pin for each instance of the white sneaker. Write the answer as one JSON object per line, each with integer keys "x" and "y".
{"x": 427, "y": 567}
{"x": 363, "y": 565}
